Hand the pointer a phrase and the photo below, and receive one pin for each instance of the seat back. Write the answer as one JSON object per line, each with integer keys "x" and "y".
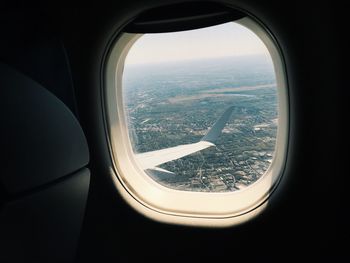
{"x": 43, "y": 177}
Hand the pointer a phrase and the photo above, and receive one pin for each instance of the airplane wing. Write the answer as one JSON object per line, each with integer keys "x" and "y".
{"x": 149, "y": 160}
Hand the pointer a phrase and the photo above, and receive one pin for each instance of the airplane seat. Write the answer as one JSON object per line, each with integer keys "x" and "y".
{"x": 44, "y": 180}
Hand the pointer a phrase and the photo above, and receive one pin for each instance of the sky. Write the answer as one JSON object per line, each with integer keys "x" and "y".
{"x": 229, "y": 39}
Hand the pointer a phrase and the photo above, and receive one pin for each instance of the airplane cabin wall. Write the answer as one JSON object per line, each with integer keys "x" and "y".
{"x": 303, "y": 218}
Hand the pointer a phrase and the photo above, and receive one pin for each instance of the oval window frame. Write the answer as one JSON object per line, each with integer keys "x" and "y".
{"x": 184, "y": 207}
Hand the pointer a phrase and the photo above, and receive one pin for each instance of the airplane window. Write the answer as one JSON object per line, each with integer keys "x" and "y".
{"x": 197, "y": 122}
{"x": 202, "y": 107}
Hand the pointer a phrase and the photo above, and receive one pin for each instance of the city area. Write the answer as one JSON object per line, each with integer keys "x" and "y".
{"x": 169, "y": 105}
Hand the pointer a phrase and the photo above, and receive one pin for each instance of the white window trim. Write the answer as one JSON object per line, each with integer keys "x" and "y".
{"x": 184, "y": 207}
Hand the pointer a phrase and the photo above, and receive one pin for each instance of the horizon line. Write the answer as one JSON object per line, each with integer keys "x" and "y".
{"x": 191, "y": 59}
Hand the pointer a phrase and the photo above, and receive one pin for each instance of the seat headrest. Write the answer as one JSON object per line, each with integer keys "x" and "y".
{"x": 40, "y": 139}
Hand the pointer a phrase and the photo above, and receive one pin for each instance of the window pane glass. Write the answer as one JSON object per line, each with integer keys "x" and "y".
{"x": 176, "y": 86}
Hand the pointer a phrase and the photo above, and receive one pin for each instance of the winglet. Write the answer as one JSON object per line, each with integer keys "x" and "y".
{"x": 216, "y": 129}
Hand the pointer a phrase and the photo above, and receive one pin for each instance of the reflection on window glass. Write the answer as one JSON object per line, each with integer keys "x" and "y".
{"x": 177, "y": 86}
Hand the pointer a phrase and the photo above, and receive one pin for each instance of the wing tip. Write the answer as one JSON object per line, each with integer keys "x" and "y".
{"x": 216, "y": 129}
